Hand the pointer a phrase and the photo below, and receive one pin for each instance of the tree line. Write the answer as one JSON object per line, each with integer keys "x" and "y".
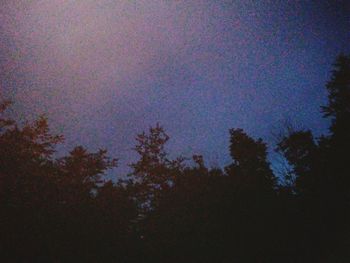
{"x": 64, "y": 210}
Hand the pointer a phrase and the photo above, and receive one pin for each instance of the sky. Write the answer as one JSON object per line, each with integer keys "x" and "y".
{"x": 104, "y": 71}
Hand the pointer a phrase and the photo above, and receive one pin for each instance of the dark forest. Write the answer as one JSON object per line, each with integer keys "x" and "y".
{"x": 178, "y": 209}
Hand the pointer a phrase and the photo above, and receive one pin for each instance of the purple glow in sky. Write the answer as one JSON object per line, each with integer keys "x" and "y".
{"x": 105, "y": 70}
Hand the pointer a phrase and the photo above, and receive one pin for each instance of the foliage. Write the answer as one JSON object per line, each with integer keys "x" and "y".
{"x": 154, "y": 172}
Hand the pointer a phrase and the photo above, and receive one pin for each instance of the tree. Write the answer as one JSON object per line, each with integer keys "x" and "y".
{"x": 80, "y": 173}
{"x": 27, "y": 186}
{"x": 250, "y": 164}
{"x": 300, "y": 150}
{"x": 49, "y": 210}
{"x": 25, "y": 157}
{"x": 322, "y": 167}
{"x": 154, "y": 171}
{"x": 338, "y": 108}
{"x": 336, "y": 146}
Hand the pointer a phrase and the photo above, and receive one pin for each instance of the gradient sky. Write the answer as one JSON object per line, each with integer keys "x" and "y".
{"x": 106, "y": 70}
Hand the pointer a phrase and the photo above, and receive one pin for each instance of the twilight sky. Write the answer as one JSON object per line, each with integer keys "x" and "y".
{"x": 106, "y": 70}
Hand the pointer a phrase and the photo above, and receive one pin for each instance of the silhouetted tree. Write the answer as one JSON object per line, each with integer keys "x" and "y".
{"x": 300, "y": 149}
{"x": 250, "y": 164}
{"x": 338, "y": 108}
{"x": 56, "y": 210}
{"x": 154, "y": 171}
{"x": 322, "y": 169}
